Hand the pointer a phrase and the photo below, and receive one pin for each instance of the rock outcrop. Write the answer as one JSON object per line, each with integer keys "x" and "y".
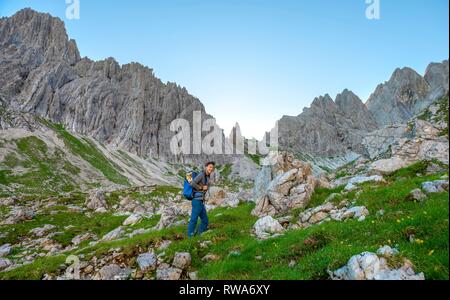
{"x": 289, "y": 184}
{"x": 371, "y": 266}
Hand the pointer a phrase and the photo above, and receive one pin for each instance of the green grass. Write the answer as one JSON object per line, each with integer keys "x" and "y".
{"x": 42, "y": 172}
{"x": 90, "y": 153}
{"x": 256, "y": 158}
{"x": 315, "y": 250}
{"x": 164, "y": 190}
{"x": 98, "y": 224}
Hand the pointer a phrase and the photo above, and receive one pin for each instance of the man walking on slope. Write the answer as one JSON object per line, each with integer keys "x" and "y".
{"x": 200, "y": 185}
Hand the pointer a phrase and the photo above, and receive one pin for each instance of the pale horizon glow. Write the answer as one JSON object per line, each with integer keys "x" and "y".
{"x": 253, "y": 61}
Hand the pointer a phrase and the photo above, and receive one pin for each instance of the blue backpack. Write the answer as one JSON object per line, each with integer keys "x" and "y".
{"x": 188, "y": 191}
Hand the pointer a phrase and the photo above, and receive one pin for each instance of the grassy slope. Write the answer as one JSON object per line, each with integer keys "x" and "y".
{"x": 52, "y": 173}
{"x": 316, "y": 249}
{"x": 45, "y": 172}
{"x": 89, "y": 152}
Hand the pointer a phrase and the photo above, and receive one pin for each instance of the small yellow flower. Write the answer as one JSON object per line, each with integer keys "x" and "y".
{"x": 419, "y": 241}
{"x": 398, "y": 221}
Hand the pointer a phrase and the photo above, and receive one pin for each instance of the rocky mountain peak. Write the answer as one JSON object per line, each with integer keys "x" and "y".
{"x": 42, "y": 32}
{"x": 407, "y": 93}
{"x": 124, "y": 106}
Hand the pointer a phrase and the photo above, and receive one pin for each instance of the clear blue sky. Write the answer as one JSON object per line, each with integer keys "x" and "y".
{"x": 253, "y": 61}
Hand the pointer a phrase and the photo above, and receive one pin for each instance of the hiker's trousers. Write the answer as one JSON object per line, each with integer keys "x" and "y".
{"x": 198, "y": 211}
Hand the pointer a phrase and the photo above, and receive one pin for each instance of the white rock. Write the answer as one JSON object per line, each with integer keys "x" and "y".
{"x": 267, "y": 226}
{"x": 352, "y": 184}
{"x": 168, "y": 274}
{"x": 113, "y": 272}
{"x": 5, "y": 250}
{"x": 132, "y": 220}
{"x": 5, "y": 263}
{"x": 387, "y": 166}
{"x": 369, "y": 266}
{"x": 147, "y": 261}
{"x": 83, "y": 237}
{"x": 114, "y": 234}
{"x": 437, "y": 186}
{"x": 182, "y": 260}
{"x": 40, "y": 232}
{"x": 387, "y": 251}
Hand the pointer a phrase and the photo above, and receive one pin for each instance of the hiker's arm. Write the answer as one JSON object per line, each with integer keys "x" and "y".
{"x": 196, "y": 182}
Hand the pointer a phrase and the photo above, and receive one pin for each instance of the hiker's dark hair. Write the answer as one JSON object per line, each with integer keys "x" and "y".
{"x": 210, "y": 163}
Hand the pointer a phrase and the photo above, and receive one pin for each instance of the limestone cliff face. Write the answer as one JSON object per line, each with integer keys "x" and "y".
{"x": 126, "y": 106}
{"x": 407, "y": 93}
{"x": 328, "y": 128}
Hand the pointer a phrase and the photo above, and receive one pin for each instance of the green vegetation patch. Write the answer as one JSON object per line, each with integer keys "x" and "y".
{"x": 90, "y": 153}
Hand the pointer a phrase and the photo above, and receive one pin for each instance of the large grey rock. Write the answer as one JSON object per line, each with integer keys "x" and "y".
{"x": 437, "y": 186}
{"x": 83, "y": 237}
{"x": 182, "y": 260}
{"x": 96, "y": 200}
{"x": 388, "y": 166}
{"x": 5, "y": 250}
{"x": 132, "y": 220}
{"x": 5, "y": 263}
{"x": 168, "y": 273}
{"x": 266, "y": 227}
{"x": 353, "y": 183}
{"x": 114, "y": 234}
{"x": 291, "y": 187}
{"x": 147, "y": 261}
{"x": 113, "y": 272}
{"x": 41, "y": 231}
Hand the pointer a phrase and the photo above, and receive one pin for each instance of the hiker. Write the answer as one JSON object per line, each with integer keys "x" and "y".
{"x": 200, "y": 185}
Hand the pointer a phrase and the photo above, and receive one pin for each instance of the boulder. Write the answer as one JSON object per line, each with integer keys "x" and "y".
{"x": 168, "y": 273}
{"x": 416, "y": 195}
{"x": 182, "y": 260}
{"x": 370, "y": 266}
{"x": 387, "y": 251}
{"x": 96, "y": 200}
{"x": 266, "y": 227}
{"x": 132, "y": 220}
{"x": 210, "y": 257}
{"x": 388, "y": 166}
{"x": 83, "y": 237}
{"x": 114, "y": 234}
{"x": 113, "y": 272}
{"x": 216, "y": 195}
{"x": 5, "y": 263}
{"x": 40, "y": 232}
{"x": 355, "y": 212}
{"x": 318, "y": 217}
{"x": 5, "y": 250}
{"x": 292, "y": 186}
{"x": 353, "y": 182}
{"x": 147, "y": 261}
{"x": 437, "y": 186}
